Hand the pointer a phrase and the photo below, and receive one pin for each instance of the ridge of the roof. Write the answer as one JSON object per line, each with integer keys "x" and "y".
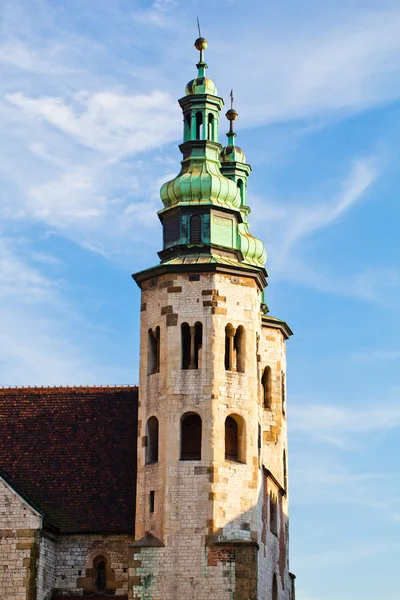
{"x": 127, "y": 386}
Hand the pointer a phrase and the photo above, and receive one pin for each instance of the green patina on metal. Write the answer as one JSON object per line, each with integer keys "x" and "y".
{"x": 211, "y": 187}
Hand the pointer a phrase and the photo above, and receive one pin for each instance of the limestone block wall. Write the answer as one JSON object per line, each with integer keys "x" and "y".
{"x": 19, "y": 544}
{"x": 74, "y": 562}
{"x": 202, "y": 508}
{"x": 46, "y": 572}
{"x": 273, "y": 556}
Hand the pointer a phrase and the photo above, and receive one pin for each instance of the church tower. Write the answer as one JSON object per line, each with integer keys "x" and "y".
{"x": 212, "y": 507}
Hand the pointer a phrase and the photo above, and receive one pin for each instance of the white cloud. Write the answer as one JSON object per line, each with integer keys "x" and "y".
{"x": 111, "y": 122}
{"x": 320, "y": 419}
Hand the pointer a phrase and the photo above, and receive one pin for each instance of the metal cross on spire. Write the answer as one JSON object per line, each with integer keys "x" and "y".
{"x": 232, "y": 98}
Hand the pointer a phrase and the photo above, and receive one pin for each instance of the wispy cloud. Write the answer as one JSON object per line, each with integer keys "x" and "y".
{"x": 114, "y": 123}
{"x": 320, "y": 419}
{"x": 372, "y": 355}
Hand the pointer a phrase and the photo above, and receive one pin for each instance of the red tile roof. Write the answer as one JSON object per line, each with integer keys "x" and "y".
{"x": 72, "y": 451}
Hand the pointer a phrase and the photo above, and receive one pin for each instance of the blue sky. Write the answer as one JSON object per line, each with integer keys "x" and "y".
{"x": 89, "y": 124}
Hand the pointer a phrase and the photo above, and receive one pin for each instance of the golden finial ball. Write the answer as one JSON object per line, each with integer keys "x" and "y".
{"x": 201, "y": 44}
{"x": 232, "y": 115}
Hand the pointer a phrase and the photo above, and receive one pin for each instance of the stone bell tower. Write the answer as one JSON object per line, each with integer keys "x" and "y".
{"x": 212, "y": 511}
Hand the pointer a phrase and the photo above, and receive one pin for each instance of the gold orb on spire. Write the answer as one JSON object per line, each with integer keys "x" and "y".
{"x": 201, "y": 44}
{"x": 232, "y": 115}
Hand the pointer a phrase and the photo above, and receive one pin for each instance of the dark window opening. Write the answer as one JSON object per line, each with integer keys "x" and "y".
{"x": 283, "y": 391}
{"x": 198, "y": 344}
{"x": 152, "y": 441}
{"x": 267, "y": 387}
{"x": 100, "y": 575}
{"x": 274, "y": 588}
{"x": 240, "y": 349}
{"x": 229, "y": 349}
{"x": 187, "y": 128}
{"x": 195, "y": 229}
{"x": 241, "y": 190}
{"x": 191, "y": 345}
{"x": 199, "y": 123}
{"x": 191, "y": 437}
{"x": 153, "y": 360}
{"x": 210, "y": 135}
{"x": 231, "y": 439}
{"x": 273, "y": 514}
{"x": 171, "y": 230}
{"x": 151, "y": 501}
{"x": 185, "y": 345}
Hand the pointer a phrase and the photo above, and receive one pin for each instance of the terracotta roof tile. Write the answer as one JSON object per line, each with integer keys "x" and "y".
{"x": 72, "y": 451}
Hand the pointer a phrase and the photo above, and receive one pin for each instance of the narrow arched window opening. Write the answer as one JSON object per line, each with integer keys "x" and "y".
{"x": 152, "y": 440}
{"x": 191, "y": 345}
{"x": 195, "y": 229}
{"x": 191, "y": 437}
{"x": 273, "y": 514}
{"x": 198, "y": 345}
{"x": 210, "y": 134}
{"x": 100, "y": 575}
{"x": 231, "y": 439}
{"x": 185, "y": 345}
{"x": 240, "y": 185}
{"x": 266, "y": 381}
{"x": 274, "y": 588}
{"x": 230, "y": 361}
{"x": 187, "y": 128}
{"x": 283, "y": 391}
{"x": 285, "y": 479}
{"x": 199, "y": 124}
{"x": 153, "y": 354}
{"x": 234, "y": 439}
{"x": 240, "y": 349}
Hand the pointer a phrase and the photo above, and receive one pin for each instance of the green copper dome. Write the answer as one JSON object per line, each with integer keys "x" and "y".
{"x": 232, "y": 154}
{"x": 201, "y": 85}
{"x": 204, "y": 212}
{"x": 201, "y": 182}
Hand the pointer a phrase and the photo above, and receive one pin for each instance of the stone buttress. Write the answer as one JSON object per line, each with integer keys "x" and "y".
{"x": 211, "y": 514}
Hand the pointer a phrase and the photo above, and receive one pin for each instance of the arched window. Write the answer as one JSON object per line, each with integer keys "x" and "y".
{"x": 100, "y": 578}
{"x": 267, "y": 387}
{"x": 285, "y": 481}
{"x": 240, "y": 185}
{"x": 229, "y": 349}
{"x": 185, "y": 345}
{"x": 186, "y": 128}
{"x": 191, "y": 345}
{"x": 191, "y": 437}
{"x": 283, "y": 390}
{"x": 199, "y": 123}
{"x": 153, "y": 354}
{"x": 195, "y": 229}
{"x": 240, "y": 349}
{"x": 274, "y": 588}
{"x": 210, "y": 133}
{"x": 152, "y": 440}
{"x": 234, "y": 439}
{"x": 198, "y": 344}
{"x": 273, "y": 514}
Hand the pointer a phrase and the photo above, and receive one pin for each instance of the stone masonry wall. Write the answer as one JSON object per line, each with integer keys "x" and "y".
{"x": 206, "y": 512}
{"x": 274, "y": 547}
{"x": 19, "y": 544}
{"x": 74, "y": 563}
{"x": 46, "y": 573}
